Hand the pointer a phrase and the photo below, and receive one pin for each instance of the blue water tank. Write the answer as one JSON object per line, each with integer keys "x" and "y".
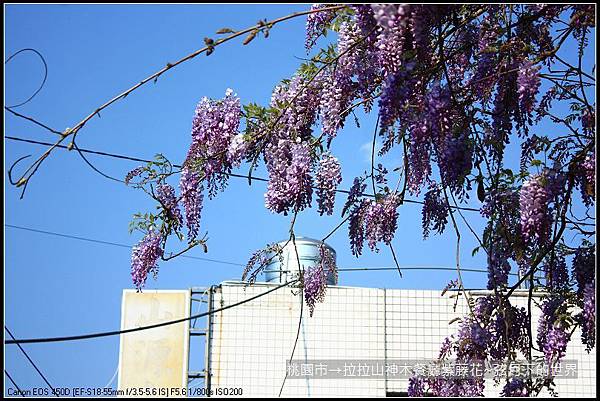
{"x": 308, "y": 254}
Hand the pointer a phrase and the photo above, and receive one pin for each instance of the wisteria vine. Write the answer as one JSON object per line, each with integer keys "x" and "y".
{"x": 453, "y": 87}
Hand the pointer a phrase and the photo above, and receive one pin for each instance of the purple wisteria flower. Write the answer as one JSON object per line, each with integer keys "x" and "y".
{"x": 419, "y": 157}
{"x": 535, "y": 216}
{"x": 555, "y": 347}
{"x": 215, "y": 125}
{"x": 529, "y": 84}
{"x": 192, "y": 197}
{"x": 144, "y": 257}
{"x": 456, "y": 162}
{"x": 551, "y": 307}
{"x": 588, "y": 329}
{"x": 392, "y": 20}
{"x": 297, "y": 103}
{"x": 356, "y": 227}
{"x": 166, "y": 196}
{"x": 327, "y": 178}
{"x": 260, "y": 260}
{"x": 316, "y": 23}
{"x": 381, "y": 221}
{"x": 315, "y": 278}
{"x": 485, "y": 77}
{"x": 498, "y": 264}
{"x": 290, "y": 183}
{"x": 587, "y": 179}
{"x": 416, "y": 387}
{"x": 435, "y": 212}
{"x": 237, "y": 150}
{"x": 133, "y": 173}
{"x": 557, "y": 276}
{"x": 583, "y": 268}
{"x": 515, "y": 387}
{"x": 355, "y": 193}
{"x": 339, "y": 89}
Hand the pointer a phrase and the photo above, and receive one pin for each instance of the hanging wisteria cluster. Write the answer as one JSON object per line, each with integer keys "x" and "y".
{"x": 452, "y": 87}
{"x": 317, "y": 276}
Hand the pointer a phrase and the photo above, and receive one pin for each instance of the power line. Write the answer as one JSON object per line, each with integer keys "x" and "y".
{"x": 462, "y": 269}
{"x": 32, "y": 363}
{"x": 14, "y": 384}
{"x": 248, "y": 176}
{"x": 111, "y": 243}
{"x": 153, "y": 326}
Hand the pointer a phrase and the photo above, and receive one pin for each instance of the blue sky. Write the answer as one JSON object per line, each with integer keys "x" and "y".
{"x": 57, "y": 286}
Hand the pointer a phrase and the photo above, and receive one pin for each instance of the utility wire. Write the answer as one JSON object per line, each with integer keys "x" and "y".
{"x": 14, "y": 384}
{"x": 111, "y": 243}
{"x": 352, "y": 269}
{"x": 124, "y": 157}
{"x": 31, "y": 362}
{"x": 153, "y": 326}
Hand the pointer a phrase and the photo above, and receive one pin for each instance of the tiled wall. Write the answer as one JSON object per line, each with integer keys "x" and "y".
{"x": 251, "y": 342}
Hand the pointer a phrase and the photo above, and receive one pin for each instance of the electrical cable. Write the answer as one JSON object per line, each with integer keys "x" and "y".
{"x": 118, "y": 332}
{"x": 111, "y": 243}
{"x": 32, "y": 363}
{"x": 14, "y": 384}
{"x": 81, "y": 150}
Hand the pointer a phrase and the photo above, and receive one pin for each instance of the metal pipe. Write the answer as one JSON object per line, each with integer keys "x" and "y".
{"x": 207, "y": 358}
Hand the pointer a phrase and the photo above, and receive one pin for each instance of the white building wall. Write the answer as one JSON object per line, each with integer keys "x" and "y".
{"x": 251, "y": 342}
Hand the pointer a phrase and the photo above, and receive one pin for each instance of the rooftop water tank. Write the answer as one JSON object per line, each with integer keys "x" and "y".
{"x": 308, "y": 254}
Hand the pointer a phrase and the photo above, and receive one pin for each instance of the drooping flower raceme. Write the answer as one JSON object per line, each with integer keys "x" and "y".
{"x": 192, "y": 197}
{"x": 316, "y": 23}
{"x": 354, "y": 194}
{"x": 583, "y": 268}
{"x": 498, "y": 265}
{"x": 133, "y": 173}
{"x": 381, "y": 221}
{"x": 416, "y": 387}
{"x": 435, "y": 212}
{"x": 419, "y": 157}
{"x": 588, "y": 328}
{"x": 535, "y": 217}
{"x": 260, "y": 260}
{"x": 356, "y": 227}
{"x": 290, "y": 183}
{"x": 529, "y": 84}
{"x": 315, "y": 278}
{"x": 557, "y": 276}
{"x": 551, "y": 307}
{"x": 315, "y": 283}
{"x": 339, "y": 89}
{"x": 327, "y": 179}
{"x": 215, "y": 125}
{"x": 236, "y": 150}
{"x": 167, "y": 198}
{"x": 373, "y": 221}
{"x": 556, "y": 344}
{"x": 515, "y": 387}
{"x": 393, "y": 22}
{"x": 456, "y": 162}
{"x": 587, "y": 179}
{"x": 297, "y": 104}
{"x": 144, "y": 257}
